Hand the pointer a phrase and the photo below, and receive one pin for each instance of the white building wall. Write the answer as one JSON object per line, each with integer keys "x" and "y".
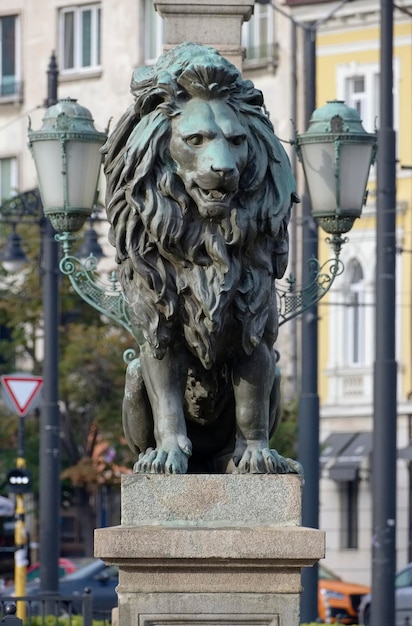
{"x": 105, "y": 92}
{"x": 351, "y": 564}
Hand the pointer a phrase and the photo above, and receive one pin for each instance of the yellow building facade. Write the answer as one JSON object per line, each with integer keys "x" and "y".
{"x": 348, "y": 68}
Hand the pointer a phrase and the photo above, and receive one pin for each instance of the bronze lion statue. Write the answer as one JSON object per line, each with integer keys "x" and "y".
{"x": 199, "y": 193}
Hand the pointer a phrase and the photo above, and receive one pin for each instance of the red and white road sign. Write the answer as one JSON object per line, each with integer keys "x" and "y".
{"x": 22, "y": 389}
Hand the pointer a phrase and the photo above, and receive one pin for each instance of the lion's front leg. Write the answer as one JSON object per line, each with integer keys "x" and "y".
{"x": 165, "y": 381}
{"x": 256, "y": 392}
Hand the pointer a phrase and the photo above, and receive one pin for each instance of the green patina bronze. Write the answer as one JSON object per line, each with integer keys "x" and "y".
{"x": 199, "y": 194}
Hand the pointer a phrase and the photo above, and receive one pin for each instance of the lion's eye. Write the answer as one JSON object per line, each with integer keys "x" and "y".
{"x": 237, "y": 140}
{"x": 195, "y": 140}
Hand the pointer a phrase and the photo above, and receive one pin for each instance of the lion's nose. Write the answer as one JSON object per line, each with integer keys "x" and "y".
{"x": 222, "y": 170}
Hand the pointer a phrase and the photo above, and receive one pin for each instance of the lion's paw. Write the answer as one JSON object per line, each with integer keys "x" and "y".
{"x": 162, "y": 461}
{"x": 263, "y": 460}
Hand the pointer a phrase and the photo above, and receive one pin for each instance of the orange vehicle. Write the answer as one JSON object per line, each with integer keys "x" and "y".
{"x": 338, "y": 600}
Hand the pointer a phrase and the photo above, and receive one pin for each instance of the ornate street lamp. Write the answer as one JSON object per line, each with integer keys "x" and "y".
{"x": 66, "y": 152}
{"x": 67, "y": 159}
{"x": 336, "y": 153}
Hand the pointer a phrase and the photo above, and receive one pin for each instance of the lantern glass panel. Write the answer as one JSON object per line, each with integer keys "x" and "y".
{"x": 83, "y": 167}
{"x": 319, "y": 165}
{"x": 355, "y": 162}
{"x": 48, "y": 159}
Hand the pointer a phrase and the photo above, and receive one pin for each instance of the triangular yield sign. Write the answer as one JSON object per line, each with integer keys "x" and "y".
{"x": 22, "y": 390}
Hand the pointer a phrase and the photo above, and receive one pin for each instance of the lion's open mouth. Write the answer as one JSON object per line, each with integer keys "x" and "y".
{"x": 212, "y": 203}
{"x": 212, "y": 195}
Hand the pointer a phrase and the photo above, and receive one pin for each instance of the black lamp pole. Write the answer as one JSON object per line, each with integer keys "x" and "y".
{"x": 50, "y": 417}
{"x": 308, "y": 411}
{"x": 385, "y": 408}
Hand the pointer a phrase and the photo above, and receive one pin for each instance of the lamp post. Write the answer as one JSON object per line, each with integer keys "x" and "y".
{"x": 66, "y": 154}
{"x": 308, "y": 407}
{"x": 50, "y": 424}
{"x": 385, "y": 368}
{"x": 49, "y": 534}
{"x": 61, "y": 149}
{"x": 336, "y": 153}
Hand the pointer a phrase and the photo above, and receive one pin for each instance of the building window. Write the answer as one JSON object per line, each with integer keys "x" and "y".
{"x": 153, "y": 40}
{"x": 362, "y": 94}
{"x": 8, "y": 178}
{"x": 349, "y": 491}
{"x": 358, "y": 84}
{"x": 9, "y": 84}
{"x": 258, "y": 34}
{"x": 80, "y": 38}
{"x": 355, "y": 314}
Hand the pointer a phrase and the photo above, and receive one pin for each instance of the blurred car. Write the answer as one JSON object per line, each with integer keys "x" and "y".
{"x": 338, "y": 600}
{"x": 65, "y": 567}
{"x": 403, "y": 600}
{"x": 95, "y": 575}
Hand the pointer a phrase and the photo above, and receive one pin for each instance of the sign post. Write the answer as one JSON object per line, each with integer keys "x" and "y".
{"x": 22, "y": 390}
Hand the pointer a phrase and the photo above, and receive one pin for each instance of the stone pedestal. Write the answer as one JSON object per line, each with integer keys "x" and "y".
{"x": 216, "y": 23}
{"x": 210, "y": 550}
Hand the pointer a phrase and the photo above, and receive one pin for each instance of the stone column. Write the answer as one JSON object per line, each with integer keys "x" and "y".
{"x": 214, "y": 23}
{"x": 210, "y": 550}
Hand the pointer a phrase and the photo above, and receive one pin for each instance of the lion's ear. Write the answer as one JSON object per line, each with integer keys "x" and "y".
{"x": 150, "y": 103}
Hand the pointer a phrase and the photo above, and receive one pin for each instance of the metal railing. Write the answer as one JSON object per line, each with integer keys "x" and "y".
{"x": 39, "y": 609}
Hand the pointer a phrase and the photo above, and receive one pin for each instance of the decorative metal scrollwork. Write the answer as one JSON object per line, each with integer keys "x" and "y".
{"x": 292, "y": 302}
{"x": 109, "y": 299}
{"x": 105, "y": 297}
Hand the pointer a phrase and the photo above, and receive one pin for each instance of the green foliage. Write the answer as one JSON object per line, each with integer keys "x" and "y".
{"x": 91, "y": 388}
{"x": 91, "y": 367}
{"x": 285, "y": 438}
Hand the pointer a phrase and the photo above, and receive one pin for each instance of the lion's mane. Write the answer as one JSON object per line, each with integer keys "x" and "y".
{"x": 175, "y": 266}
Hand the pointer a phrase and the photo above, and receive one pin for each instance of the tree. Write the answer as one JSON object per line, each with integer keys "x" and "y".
{"x": 91, "y": 391}
{"x": 91, "y": 380}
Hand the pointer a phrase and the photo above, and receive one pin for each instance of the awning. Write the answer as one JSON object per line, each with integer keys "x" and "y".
{"x": 333, "y": 446}
{"x": 406, "y": 453}
{"x": 345, "y": 468}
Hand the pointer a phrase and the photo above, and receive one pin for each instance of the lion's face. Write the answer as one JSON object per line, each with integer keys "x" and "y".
{"x": 209, "y": 148}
